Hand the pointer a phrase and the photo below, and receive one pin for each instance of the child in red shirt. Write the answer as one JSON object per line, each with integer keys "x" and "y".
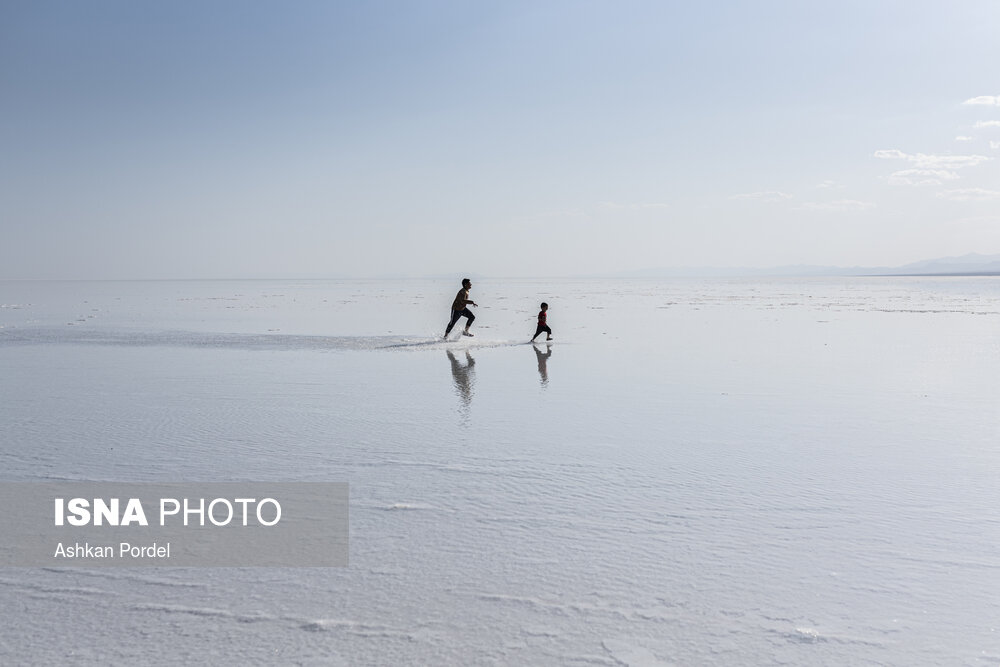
{"x": 541, "y": 324}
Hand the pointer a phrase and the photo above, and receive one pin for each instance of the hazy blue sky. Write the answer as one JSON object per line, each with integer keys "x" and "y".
{"x": 266, "y": 139}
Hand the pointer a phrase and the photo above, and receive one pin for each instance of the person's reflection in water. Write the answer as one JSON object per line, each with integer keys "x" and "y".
{"x": 543, "y": 358}
{"x": 465, "y": 379}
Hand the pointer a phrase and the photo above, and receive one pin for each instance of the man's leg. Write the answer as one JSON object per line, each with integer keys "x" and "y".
{"x": 455, "y": 314}
{"x": 471, "y": 318}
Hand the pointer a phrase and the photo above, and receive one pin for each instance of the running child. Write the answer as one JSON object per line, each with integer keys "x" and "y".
{"x": 542, "y": 326}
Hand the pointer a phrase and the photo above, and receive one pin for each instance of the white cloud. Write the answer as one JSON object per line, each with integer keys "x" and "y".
{"x": 922, "y": 177}
{"x": 947, "y": 161}
{"x": 766, "y": 196}
{"x": 963, "y": 138}
{"x": 970, "y": 194}
{"x": 987, "y": 123}
{"x": 839, "y": 205}
{"x": 829, "y": 185}
{"x": 891, "y": 154}
{"x": 925, "y": 161}
{"x": 995, "y": 145}
{"x": 988, "y": 100}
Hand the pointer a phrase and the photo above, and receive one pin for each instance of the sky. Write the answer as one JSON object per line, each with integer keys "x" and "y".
{"x": 541, "y": 138}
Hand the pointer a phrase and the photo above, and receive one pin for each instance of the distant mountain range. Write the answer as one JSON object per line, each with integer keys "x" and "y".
{"x": 972, "y": 264}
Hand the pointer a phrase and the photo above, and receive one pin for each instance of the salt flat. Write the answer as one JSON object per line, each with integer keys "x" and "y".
{"x": 695, "y": 472}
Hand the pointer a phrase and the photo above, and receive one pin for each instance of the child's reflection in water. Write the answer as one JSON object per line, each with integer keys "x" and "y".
{"x": 543, "y": 358}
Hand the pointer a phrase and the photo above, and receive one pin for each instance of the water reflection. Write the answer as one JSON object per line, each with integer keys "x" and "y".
{"x": 543, "y": 358}
{"x": 465, "y": 378}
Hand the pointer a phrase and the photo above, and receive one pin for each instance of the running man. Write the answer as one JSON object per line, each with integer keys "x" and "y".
{"x": 460, "y": 308}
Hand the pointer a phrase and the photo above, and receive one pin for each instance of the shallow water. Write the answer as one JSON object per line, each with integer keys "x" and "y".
{"x": 695, "y": 472}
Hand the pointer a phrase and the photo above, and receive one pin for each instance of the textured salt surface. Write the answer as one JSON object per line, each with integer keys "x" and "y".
{"x": 698, "y": 472}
